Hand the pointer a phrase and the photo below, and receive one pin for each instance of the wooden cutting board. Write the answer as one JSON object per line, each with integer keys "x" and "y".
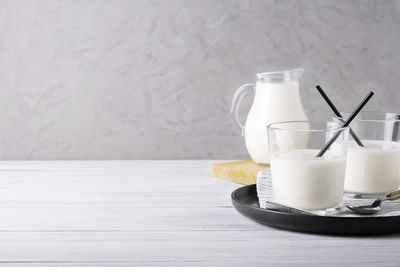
{"x": 242, "y": 172}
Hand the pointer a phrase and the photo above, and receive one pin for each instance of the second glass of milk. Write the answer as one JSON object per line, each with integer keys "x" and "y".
{"x": 373, "y": 169}
{"x": 299, "y": 178}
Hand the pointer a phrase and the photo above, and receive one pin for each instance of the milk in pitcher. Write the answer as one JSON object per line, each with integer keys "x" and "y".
{"x": 277, "y": 98}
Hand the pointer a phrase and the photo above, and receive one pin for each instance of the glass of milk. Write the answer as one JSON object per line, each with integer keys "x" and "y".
{"x": 299, "y": 178}
{"x": 375, "y": 168}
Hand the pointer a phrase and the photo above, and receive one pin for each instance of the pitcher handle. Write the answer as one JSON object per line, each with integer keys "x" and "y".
{"x": 237, "y": 98}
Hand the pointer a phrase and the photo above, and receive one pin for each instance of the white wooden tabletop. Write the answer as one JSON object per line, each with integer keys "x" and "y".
{"x": 143, "y": 213}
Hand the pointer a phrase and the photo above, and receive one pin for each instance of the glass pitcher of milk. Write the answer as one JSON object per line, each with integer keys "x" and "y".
{"x": 276, "y": 99}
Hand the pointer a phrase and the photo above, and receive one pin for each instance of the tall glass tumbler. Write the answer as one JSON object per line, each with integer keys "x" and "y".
{"x": 299, "y": 178}
{"x": 374, "y": 168}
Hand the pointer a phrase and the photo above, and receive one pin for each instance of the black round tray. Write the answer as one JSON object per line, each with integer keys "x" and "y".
{"x": 245, "y": 200}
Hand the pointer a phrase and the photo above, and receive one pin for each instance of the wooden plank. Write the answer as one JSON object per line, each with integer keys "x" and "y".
{"x": 207, "y": 247}
{"x": 242, "y": 172}
{"x": 122, "y": 218}
{"x": 97, "y": 200}
{"x": 52, "y": 188}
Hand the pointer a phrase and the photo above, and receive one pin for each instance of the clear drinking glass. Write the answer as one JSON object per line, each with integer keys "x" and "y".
{"x": 374, "y": 168}
{"x": 299, "y": 178}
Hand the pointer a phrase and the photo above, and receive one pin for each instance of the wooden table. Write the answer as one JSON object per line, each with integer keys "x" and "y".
{"x": 142, "y": 213}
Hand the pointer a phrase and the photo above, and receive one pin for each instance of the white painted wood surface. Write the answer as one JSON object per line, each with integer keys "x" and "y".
{"x": 144, "y": 213}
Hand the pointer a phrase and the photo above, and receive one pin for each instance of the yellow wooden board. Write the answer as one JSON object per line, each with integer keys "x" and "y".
{"x": 242, "y": 172}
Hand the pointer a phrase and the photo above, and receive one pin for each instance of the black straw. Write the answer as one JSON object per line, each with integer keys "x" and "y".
{"x": 337, "y": 113}
{"x": 346, "y": 123}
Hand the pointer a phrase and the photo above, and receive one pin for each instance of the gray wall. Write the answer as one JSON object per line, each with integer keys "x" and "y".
{"x": 154, "y": 79}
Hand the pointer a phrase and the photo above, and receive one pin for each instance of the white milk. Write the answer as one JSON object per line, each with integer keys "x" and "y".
{"x": 302, "y": 181}
{"x": 373, "y": 169}
{"x": 272, "y": 103}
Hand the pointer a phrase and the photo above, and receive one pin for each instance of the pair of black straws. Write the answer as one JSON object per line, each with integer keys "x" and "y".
{"x": 346, "y": 122}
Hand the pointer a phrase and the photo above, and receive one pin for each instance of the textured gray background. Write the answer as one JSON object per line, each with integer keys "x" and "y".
{"x": 154, "y": 79}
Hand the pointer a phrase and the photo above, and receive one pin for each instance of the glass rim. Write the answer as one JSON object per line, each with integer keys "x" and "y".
{"x": 273, "y": 126}
{"x": 396, "y": 116}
